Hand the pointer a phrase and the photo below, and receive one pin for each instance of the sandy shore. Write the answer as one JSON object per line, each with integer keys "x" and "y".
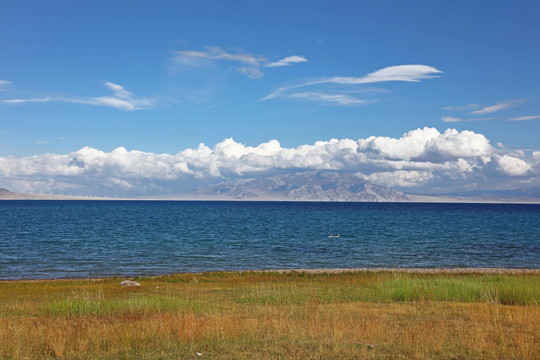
{"x": 413, "y": 271}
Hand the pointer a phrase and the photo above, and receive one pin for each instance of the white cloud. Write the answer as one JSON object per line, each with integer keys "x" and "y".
{"x": 407, "y": 73}
{"x": 251, "y": 68}
{"x": 251, "y": 63}
{"x": 400, "y": 178}
{"x": 497, "y": 107}
{"x": 428, "y": 144}
{"x": 252, "y": 72}
{"x": 451, "y": 119}
{"x": 512, "y": 165}
{"x": 189, "y": 57}
{"x": 289, "y": 60}
{"x": 478, "y": 110}
{"x": 535, "y": 158}
{"x": 420, "y": 159}
{"x": 22, "y": 101}
{"x": 525, "y": 118}
{"x": 119, "y": 91}
{"x": 122, "y": 99}
{"x": 337, "y": 99}
{"x": 3, "y": 84}
{"x": 467, "y": 107}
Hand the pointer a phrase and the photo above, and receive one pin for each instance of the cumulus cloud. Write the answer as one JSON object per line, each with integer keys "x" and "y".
{"x": 289, "y": 60}
{"x": 512, "y": 165}
{"x": 400, "y": 178}
{"x": 122, "y": 99}
{"x": 420, "y": 159}
{"x": 251, "y": 64}
{"x": 428, "y": 144}
{"x": 406, "y": 73}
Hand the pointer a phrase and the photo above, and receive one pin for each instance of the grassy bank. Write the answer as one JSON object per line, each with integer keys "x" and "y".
{"x": 371, "y": 315}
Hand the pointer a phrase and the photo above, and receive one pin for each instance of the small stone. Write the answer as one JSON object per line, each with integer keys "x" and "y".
{"x": 129, "y": 283}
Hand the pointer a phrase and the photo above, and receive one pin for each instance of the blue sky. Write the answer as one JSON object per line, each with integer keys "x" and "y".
{"x": 79, "y": 79}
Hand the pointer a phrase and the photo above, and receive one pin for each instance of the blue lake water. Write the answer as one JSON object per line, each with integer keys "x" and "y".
{"x": 72, "y": 239}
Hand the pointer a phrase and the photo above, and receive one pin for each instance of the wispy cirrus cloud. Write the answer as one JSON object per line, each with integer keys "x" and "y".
{"x": 3, "y": 84}
{"x": 216, "y": 53}
{"x": 451, "y": 119}
{"x": 525, "y": 118}
{"x": 467, "y": 107}
{"x": 289, "y": 60}
{"x": 122, "y": 99}
{"x": 250, "y": 63}
{"x": 454, "y": 119}
{"x": 23, "y": 101}
{"x": 497, "y": 107}
{"x": 409, "y": 73}
{"x": 335, "y": 99}
{"x": 406, "y": 73}
{"x": 474, "y": 109}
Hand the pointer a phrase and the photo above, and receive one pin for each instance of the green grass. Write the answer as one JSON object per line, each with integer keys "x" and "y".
{"x": 493, "y": 288}
{"x": 85, "y": 304}
{"x": 386, "y": 288}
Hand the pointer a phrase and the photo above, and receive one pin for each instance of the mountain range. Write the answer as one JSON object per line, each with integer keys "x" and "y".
{"x": 309, "y": 186}
{"x": 303, "y": 186}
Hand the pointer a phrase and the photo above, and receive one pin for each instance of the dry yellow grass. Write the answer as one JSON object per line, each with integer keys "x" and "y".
{"x": 275, "y": 316}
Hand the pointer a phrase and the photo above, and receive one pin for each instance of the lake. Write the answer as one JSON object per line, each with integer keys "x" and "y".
{"x": 75, "y": 239}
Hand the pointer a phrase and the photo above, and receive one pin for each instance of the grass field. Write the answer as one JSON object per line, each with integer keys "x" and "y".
{"x": 271, "y": 315}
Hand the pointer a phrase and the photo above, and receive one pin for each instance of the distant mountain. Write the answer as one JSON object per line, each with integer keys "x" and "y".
{"x": 304, "y": 186}
{"x": 309, "y": 186}
{"x": 5, "y": 194}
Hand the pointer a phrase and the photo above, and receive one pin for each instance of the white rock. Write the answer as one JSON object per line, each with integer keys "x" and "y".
{"x": 129, "y": 283}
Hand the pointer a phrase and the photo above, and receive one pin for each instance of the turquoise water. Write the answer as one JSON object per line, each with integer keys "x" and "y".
{"x": 66, "y": 239}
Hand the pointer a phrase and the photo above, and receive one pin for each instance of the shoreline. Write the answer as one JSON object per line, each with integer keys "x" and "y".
{"x": 467, "y": 270}
{"x": 319, "y": 271}
{"x": 418, "y": 199}
{"x": 411, "y": 198}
